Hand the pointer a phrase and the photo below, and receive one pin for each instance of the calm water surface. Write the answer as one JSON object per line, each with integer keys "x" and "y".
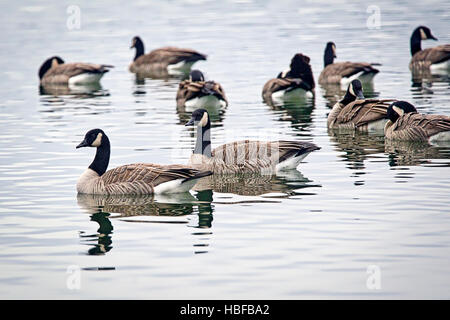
{"x": 357, "y": 203}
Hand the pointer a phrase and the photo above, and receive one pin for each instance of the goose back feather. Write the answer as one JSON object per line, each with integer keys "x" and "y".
{"x": 188, "y": 90}
{"x": 417, "y": 127}
{"x": 159, "y": 59}
{"x": 358, "y": 114}
{"x": 62, "y": 73}
{"x": 337, "y": 71}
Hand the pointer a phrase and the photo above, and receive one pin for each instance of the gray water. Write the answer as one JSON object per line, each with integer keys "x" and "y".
{"x": 358, "y": 212}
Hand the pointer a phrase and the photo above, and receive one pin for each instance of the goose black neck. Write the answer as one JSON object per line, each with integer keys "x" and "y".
{"x": 139, "y": 45}
{"x": 328, "y": 57}
{"x": 416, "y": 42}
{"x": 348, "y": 98}
{"x": 203, "y": 143}
{"x": 101, "y": 160}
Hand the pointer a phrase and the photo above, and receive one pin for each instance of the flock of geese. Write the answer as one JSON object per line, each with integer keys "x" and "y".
{"x": 398, "y": 119}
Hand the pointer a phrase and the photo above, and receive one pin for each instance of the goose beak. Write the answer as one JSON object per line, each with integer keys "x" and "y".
{"x": 190, "y": 123}
{"x": 433, "y": 37}
{"x": 82, "y": 144}
{"x": 360, "y": 95}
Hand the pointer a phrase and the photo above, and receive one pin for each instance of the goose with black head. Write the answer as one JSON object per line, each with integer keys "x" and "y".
{"x": 135, "y": 179}
{"x": 195, "y": 93}
{"x": 405, "y": 123}
{"x": 244, "y": 156}
{"x": 344, "y": 72}
{"x": 354, "y": 112}
{"x": 296, "y": 82}
{"x": 435, "y": 58}
{"x": 171, "y": 59}
{"x": 54, "y": 71}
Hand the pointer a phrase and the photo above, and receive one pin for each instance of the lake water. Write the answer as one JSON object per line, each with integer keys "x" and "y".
{"x": 359, "y": 219}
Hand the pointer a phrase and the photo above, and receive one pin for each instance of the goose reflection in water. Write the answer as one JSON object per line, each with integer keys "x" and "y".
{"x": 422, "y": 82}
{"x": 298, "y": 112}
{"x": 74, "y": 91}
{"x": 142, "y": 209}
{"x": 411, "y": 153}
{"x": 357, "y": 147}
{"x": 283, "y": 185}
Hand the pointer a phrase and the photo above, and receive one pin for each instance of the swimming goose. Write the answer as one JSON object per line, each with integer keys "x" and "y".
{"x": 174, "y": 60}
{"x": 298, "y": 80}
{"x": 244, "y": 156}
{"x": 55, "y": 71}
{"x": 137, "y": 179}
{"x": 356, "y": 112}
{"x": 436, "y": 58}
{"x": 197, "y": 93}
{"x": 406, "y": 124}
{"x": 344, "y": 72}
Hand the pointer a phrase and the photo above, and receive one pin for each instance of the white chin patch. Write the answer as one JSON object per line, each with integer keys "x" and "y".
{"x": 423, "y": 36}
{"x": 399, "y": 111}
{"x": 98, "y": 141}
{"x": 204, "y": 120}
{"x": 350, "y": 88}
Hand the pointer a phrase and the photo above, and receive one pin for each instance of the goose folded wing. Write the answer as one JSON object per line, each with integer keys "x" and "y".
{"x": 74, "y": 69}
{"x": 362, "y": 112}
{"x": 348, "y": 69}
{"x": 170, "y": 55}
{"x": 149, "y": 174}
{"x": 189, "y": 89}
{"x": 278, "y": 84}
{"x": 434, "y": 55}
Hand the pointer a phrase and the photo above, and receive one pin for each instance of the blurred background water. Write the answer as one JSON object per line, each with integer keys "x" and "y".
{"x": 356, "y": 203}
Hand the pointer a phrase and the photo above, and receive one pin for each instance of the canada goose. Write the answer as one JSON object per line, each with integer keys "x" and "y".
{"x": 197, "y": 93}
{"x": 356, "y": 112}
{"x": 298, "y": 80}
{"x": 406, "y": 124}
{"x": 139, "y": 178}
{"x": 244, "y": 156}
{"x": 344, "y": 72}
{"x": 436, "y": 58}
{"x": 55, "y": 71}
{"x": 174, "y": 60}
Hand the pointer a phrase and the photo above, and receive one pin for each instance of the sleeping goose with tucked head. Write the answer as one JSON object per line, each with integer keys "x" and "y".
{"x": 436, "y": 58}
{"x": 55, "y": 71}
{"x": 297, "y": 81}
{"x": 244, "y": 156}
{"x": 405, "y": 123}
{"x": 344, "y": 72}
{"x": 171, "y": 59}
{"x": 354, "y": 112}
{"x": 136, "y": 179}
{"x": 197, "y": 93}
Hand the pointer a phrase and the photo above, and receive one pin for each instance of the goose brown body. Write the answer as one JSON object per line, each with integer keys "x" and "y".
{"x": 335, "y": 72}
{"x": 299, "y": 76}
{"x": 438, "y": 56}
{"x": 55, "y": 71}
{"x": 358, "y": 114}
{"x": 188, "y": 90}
{"x": 248, "y": 156}
{"x": 245, "y": 156}
{"x": 417, "y": 127}
{"x": 427, "y": 57}
{"x": 135, "y": 179}
{"x": 161, "y": 59}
